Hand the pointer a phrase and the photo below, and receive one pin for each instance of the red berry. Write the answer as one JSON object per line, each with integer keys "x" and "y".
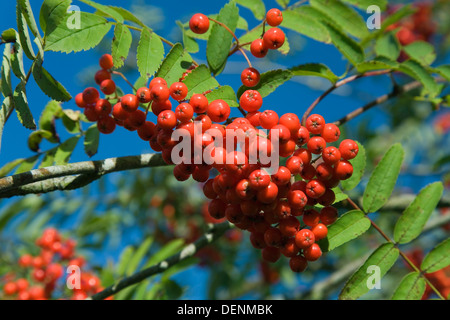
{"x": 298, "y": 264}
{"x": 268, "y": 119}
{"x": 157, "y": 81}
{"x": 274, "y": 17}
{"x": 90, "y": 95}
{"x": 147, "y": 130}
{"x": 137, "y": 118}
{"x": 290, "y": 121}
{"x": 304, "y": 238}
{"x": 316, "y": 144}
{"x": 178, "y": 91}
{"x": 10, "y": 288}
{"x": 313, "y": 252}
{"x": 106, "y": 125}
{"x": 159, "y": 93}
{"x": 199, "y": 102}
{"x": 274, "y": 38}
{"x": 143, "y": 95}
{"x": 218, "y": 110}
{"x": 271, "y": 254}
{"x": 315, "y": 123}
{"x": 268, "y": 194}
{"x": 108, "y": 86}
{"x": 119, "y": 112}
{"x": 258, "y": 48}
{"x": 331, "y": 132}
{"x": 328, "y": 215}
{"x": 167, "y": 120}
{"x": 250, "y": 77}
{"x": 101, "y": 75}
{"x": 311, "y": 217}
{"x": 199, "y": 23}
{"x": 331, "y": 155}
{"x": 106, "y": 61}
{"x": 250, "y": 100}
{"x": 301, "y": 136}
{"x": 184, "y": 112}
{"x": 320, "y": 231}
{"x": 349, "y": 149}
{"x": 129, "y": 102}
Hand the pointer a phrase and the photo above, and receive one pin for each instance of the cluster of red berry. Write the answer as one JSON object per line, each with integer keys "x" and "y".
{"x": 244, "y": 192}
{"x": 39, "y": 276}
{"x": 418, "y": 26}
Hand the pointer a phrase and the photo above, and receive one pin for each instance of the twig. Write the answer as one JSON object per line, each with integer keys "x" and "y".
{"x": 190, "y": 250}
{"x": 98, "y": 167}
{"x": 337, "y": 85}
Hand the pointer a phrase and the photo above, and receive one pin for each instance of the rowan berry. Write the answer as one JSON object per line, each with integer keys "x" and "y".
{"x": 106, "y": 125}
{"x": 101, "y": 75}
{"x": 178, "y": 91}
{"x": 129, "y": 102}
{"x": 271, "y": 254}
{"x": 199, "y": 23}
{"x": 90, "y": 95}
{"x": 199, "y": 102}
{"x": 258, "y": 48}
{"x": 274, "y": 17}
{"x": 250, "y": 100}
{"x": 250, "y": 77}
{"x": 218, "y": 110}
{"x": 167, "y": 120}
{"x": 106, "y": 61}
{"x": 349, "y": 149}
{"x": 268, "y": 119}
{"x": 315, "y": 123}
{"x": 311, "y": 217}
{"x": 304, "y": 238}
{"x": 313, "y": 252}
{"x": 343, "y": 170}
{"x": 108, "y": 86}
{"x": 330, "y": 132}
{"x": 298, "y": 264}
{"x": 143, "y": 95}
{"x": 274, "y": 38}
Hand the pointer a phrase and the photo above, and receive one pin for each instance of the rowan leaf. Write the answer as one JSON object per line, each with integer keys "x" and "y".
{"x": 383, "y": 179}
{"x": 150, "y": 53}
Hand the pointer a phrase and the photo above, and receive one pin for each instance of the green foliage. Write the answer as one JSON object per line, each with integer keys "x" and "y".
{"x": 176, "y": 62}
{"x": 438, "y": 258}
{"x": 150, "y": 53}
{"x": 412, "y": 287}
{"x": 120, "y": 45}
{"x": 383, "y": 179}
{"x": 411, "y": 222}
{"x": 383, "y": 257}
{"x": 200, "y": 80}
{"x": 349, "y": 226}
{"x": 219, "y": 41}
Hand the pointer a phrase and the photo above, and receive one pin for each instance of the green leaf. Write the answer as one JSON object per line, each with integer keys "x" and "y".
{"x": 67, "y": 37}
{"x": 7, "y": 168}
{"x": 175, "y": 64}
{"x": 268, "y": 82}
{"x": 5, "y": 84}
{"x": 21, "y": 106}
{"x": 379, "y": 63}
{"x": 120, "y": 45}
{"x": 343, "y": 16}
{"x": 51, "y": 111}
{"x": 150, "y": 53}
{"x": 91, "y": 140}
{"x": 65, "y": 149}
{"x": 359, "y": 164}
{"x": 169, "y": 249}
{"x": 138, "y": 256}
{"x": 346, "y": 45}
{"x": 124, "y": 259}
{"x": 127, "y": 15}
{"x": 28, "y": 164}
{"x": 17, "y": 61}
{"x": 226, "y": 93}
{"x": 438, "y": 258}
{"x": 257, "y": 7}
{"x": 383, "y": 257}
{"x": 199, "y": 81}
{"x": 302, "y": 22}
{"x": 49, "y": 158}
{"x": 421, "y": 51}
{"x": 364, "y": 4}
{"x": 24, "y": 35}
{"x": 418, "y": 72}
{"x": 51, "y": 14}
{"x": 411, "y": 222}
{"x": 35, "y": 138}
{"x": 349, "y": 226}
{"x": 412, "y": 287}
{"x": 9, "y": 35}
{"x": 189, "y": 43}
{"x": 388, "y": 46}
{"x": 383, "y": 179}
{"x": 105, "y": 10}
{"x": 70, "y": 120}
{"x": 25, "y": 8}
{"x": 314, "y": 69}
{"x": 283, "y": 3}
{"x": 219, "y": 41}
{"x": 49, "y": 85}
{"x": 444, "y": 71}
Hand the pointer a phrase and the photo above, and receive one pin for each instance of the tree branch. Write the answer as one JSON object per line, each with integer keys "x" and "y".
{"x": 190, "y": 250}
{"x": 337, "y": 85}
{"x": 408, "y": 87}
{"x": 28, "y": 182}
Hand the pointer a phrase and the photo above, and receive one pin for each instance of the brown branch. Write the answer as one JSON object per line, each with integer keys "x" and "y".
{"x": 337, "y": 85}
